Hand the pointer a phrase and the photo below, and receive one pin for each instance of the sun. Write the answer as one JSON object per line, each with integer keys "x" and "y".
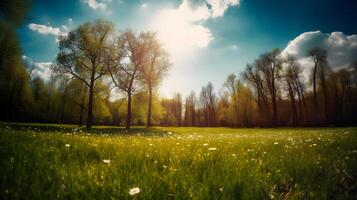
{"x": 181, "y": 31}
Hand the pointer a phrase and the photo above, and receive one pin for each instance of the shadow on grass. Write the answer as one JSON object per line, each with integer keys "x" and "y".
{"x": 65, "y": 128}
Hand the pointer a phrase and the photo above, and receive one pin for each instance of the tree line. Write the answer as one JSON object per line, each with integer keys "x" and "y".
{"x": 95, "y": 62}
{"x": 273, "y": 91}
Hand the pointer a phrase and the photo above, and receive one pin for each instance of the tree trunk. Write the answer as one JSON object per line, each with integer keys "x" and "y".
{"x": 324, "y": 90}
{"x": 128, "y": 116}
{"x": 314, "y": 85}
{"x": 148, "y": 121}
{"x": 90, "y": 104}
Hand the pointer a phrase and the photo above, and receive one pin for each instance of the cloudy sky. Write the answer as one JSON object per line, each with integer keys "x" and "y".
{"x": 206, "y": 39}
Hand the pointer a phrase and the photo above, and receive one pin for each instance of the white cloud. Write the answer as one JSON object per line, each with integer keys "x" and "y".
{"x": 45, "y": 30}
{"x": 49, "y": 30}
{"x": 97, "y": 5}
{"x": 341, "y": 48}
{"x": 42, "y": 70}
{"x": 182, "y": 29}
{"x": 220, "y": 6}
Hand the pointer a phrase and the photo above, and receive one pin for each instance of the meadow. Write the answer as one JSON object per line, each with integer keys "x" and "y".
{"x": 65, "y": 162}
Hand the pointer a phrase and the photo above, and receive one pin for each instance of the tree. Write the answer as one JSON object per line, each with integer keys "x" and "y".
{"x": 153, "y": 70}
{"x": 14, "y": 11}
{"x": 318, "y": 56}
{"x": 190, "y": 109}
{"x": 252, "y": 75}
{"x": 208, "y": 101}
{"x": 231, "y": 84}
{"x": 293, "y": 73}
{"x": 320, "y": 72}
{"x": 124, "y": 67}
{"x": 81, "y": 54}
{"x": 270, "y": 66}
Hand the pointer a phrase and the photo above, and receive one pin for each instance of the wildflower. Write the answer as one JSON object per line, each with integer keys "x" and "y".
{"x": 234, "y": 155}
{"x": 212, "y": 149}
{"x": 169, "y": 133}
{"x": 106, "y": 161}
{"x": 134, "y": 191}
{"x": 205, "y": 144}
{"x": 67, "y": 145}
{"x": 276, "y": 143}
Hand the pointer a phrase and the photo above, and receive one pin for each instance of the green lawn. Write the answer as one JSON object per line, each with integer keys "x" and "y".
{"x": 48, "y": 162}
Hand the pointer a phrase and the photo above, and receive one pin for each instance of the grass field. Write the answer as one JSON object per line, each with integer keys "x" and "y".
{"x": 49, "y": 162}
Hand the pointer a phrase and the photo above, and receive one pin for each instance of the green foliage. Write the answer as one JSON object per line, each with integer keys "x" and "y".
{"x": 179, "y": 163}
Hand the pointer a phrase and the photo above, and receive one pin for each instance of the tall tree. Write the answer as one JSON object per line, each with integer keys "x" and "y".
{"x": 231, "y": 84}
{"x": 269, "y": 65}
{"x": 154, "y": 68}
{"x": 129, "y": 58}
{"x": 293, "y": 78}
{"x": 81, "y": 54}
{"x": 318, "y": 56}
{"x": 208, "y": 101}
{"x": 14, "y": 86}
{"x": 252, "y": 76}
{"x": 190, "y": 109}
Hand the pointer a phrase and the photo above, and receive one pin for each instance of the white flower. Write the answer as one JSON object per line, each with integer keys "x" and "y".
{"x": 106, "y": 161}
{"x": 212, "y": 149}
{"x": 67, "y": 145}
{"x": 134, "y": 191}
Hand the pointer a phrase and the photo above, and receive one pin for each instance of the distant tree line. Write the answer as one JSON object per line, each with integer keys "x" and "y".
{"x": 273, "y": 91}
{"x": 95, "y": 63}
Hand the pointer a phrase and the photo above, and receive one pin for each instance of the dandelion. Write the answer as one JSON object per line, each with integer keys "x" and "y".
{"x": 150, "y": 144}
{"x": 234, "y": 155}
{"x": 133, "y": 191}
{"x": 169, "y": 133}
{"x": 205, "y": 144}
{"x": 67, "y": 145}
{"x": 276, "y": 143}
{"x": 212, "y": 149}
{"x": 106, "y": 161}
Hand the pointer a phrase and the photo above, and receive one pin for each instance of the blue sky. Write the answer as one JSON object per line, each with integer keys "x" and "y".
{"x": 206, "y": 39}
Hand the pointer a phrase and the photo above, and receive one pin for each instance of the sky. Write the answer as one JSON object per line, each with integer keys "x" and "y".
{"x": 206, "y": 39}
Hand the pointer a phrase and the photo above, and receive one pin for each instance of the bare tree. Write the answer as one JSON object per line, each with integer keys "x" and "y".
{"x": 270, "y": 66}
{"x": 209, "y": 101}
{"x": 190, "y": 109}
{"x": 318, "y": 56}
{"x": 293, "y": 74}
{"x": 251, "y": 74}
{"x": 81, "y": 54}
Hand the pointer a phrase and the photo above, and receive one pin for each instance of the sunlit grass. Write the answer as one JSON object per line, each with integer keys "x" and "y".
{"x": 179, "y": 163}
